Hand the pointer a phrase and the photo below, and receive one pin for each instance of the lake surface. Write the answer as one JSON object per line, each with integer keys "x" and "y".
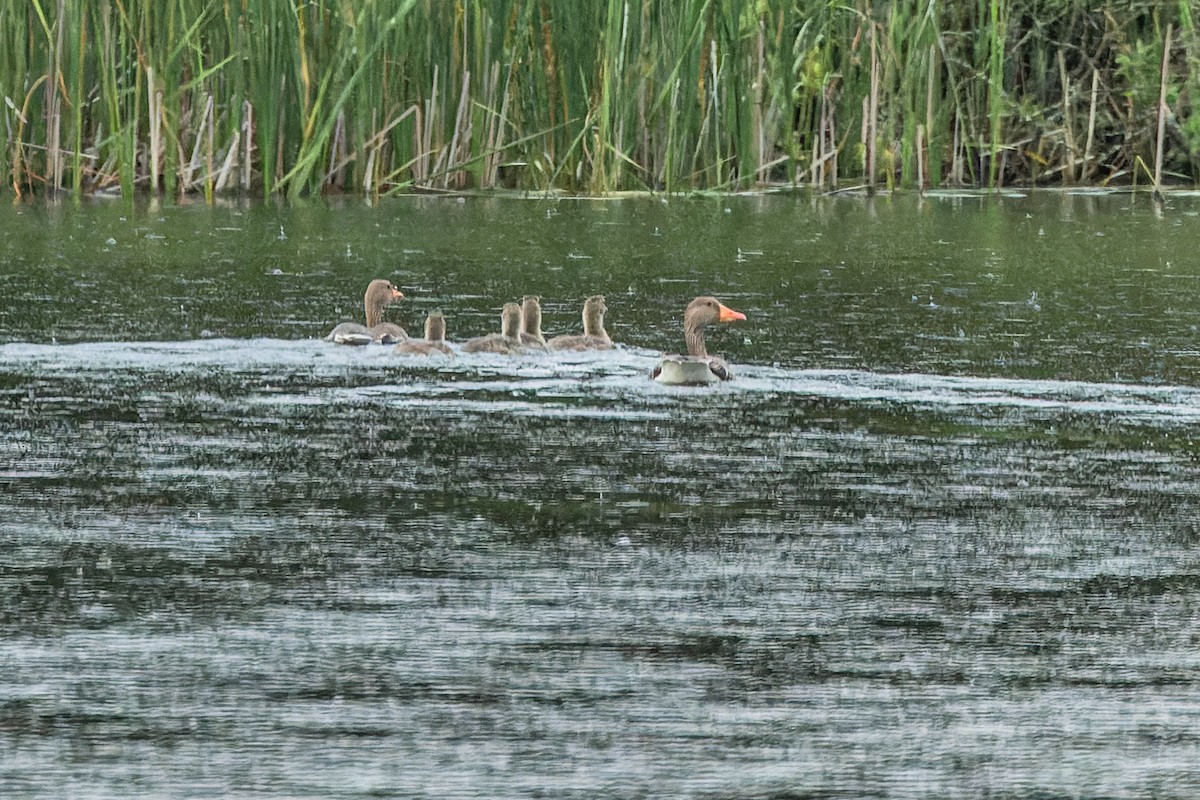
{"x": 939, "y": 538}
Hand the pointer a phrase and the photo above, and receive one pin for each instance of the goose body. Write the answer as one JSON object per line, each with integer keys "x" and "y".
{"x": 594, "y": 336}
{"x": 532, "y": 337}
{"x": 507, "y": 342}
{"x": 697, "y": 368}
{"x": 350, "y": 333}
{"x": 387, "y": 333}
{"x": 676, "y": 370}
{"x": 379, "y": 295}
{"x": 434, "y": 342}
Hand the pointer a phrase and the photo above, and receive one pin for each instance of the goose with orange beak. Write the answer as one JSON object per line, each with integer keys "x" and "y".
{"x": 380, "y": 294}
{"x": 697, "y": 368}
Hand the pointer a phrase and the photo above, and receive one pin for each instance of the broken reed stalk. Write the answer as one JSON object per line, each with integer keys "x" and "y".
{"x": 956, "y": 161}
{"x": 1091, "y": 132}
{"x": 760, "y": 80}
{"x": 997, "y": 23}
{"x": 462, "y": 133}
{"x": 920, "y": 158}
{"x": 210, "y": 166}
{"x": 222, "y": 182}
{"x": 492, "y": 159}
{"x": 930, "y": 81}
{"x": 155, "y": 97}
{"x": 832, "y": 147}
{"x": 1164, "y": 75}
{"x": 816, "y": 165}
{"x": 1068, "y": 121}
{"x": 247, "y": 131}
{"x": 55, "y": 103}
{"x": 872, "y": 125}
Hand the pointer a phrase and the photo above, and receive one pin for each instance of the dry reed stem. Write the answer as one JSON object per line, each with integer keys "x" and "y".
{"x": 247, "y": 134}
{"x": 1068, "y": 126}
{"x": 1164, "y": 76}
{"x": 920, "y": 158}
{"x": 1091, "y": 134}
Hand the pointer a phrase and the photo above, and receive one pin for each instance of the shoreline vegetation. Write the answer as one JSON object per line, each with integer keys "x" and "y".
{"x": 297, "y": 98}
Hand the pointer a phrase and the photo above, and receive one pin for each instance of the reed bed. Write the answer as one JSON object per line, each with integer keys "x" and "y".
{"x": 377, "y": 96}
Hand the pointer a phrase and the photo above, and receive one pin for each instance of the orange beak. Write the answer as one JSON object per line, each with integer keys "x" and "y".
{"x": 727, "y": 314}
{"x": 397, "y": 295}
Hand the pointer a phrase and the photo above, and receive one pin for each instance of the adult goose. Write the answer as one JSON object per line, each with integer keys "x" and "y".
{"x": 380, "y": 294}
{"x": 434, "y": 342}
{"x": 507, "y": 342}
{"x": 594, "y": 336}
{"x": 532, "y": 337}
{"x": 697, "y": 367}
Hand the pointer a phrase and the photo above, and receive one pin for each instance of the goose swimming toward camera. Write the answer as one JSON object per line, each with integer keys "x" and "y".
{"x": 380, "y": 294}
{"x": 507, "y": 342}
{"x": 594, "y": 336}
{"x": 434, "y": 342}
{"x": 531, "y": 323}
{"x": 697, "y": 367}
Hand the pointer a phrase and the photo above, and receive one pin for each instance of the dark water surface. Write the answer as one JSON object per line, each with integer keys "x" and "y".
{"x": 940, "y": 537}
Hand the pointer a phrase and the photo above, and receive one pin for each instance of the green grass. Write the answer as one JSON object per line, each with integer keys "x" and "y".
{"x": 379, "y": 96}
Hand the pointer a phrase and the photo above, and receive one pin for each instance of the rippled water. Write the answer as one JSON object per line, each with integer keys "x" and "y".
{"x": 937, "y": 539}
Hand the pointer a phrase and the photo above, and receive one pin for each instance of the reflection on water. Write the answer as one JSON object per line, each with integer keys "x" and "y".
{"x": 256, "y": 564}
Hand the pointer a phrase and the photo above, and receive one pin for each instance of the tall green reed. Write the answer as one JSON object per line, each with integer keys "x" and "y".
{"x": 379, "y": 96}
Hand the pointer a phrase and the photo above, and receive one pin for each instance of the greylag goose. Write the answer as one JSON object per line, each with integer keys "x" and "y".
{"x": 594, "y": 336}
{"x": 380, "y": 294}
{"x": 697, "y": 367}
{"x": 507, "y": 342}
{"x": 434, "y": 342}
{"x": 531, "y": 323}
